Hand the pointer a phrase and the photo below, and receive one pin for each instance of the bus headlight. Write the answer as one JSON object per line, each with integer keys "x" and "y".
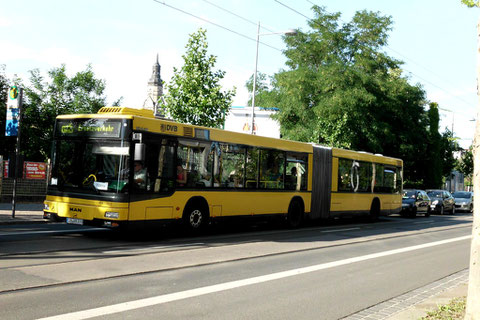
{"x": 111, "y": 215}
{"x": 46, "y": 207}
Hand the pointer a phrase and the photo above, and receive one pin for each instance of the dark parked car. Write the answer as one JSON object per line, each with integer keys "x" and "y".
{"x": 415, "y": 201}
{"x": 463, "y": 201}
{"x": 442, "y": 201}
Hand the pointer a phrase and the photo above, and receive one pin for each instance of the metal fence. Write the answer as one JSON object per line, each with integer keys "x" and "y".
{"x": 27, "y": 189}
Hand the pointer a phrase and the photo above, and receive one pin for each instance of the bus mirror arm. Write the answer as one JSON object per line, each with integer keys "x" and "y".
{"x": 139, "y": 152}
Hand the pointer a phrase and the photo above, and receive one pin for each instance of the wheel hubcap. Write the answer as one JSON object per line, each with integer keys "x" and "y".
{"x": 196, "y": 218}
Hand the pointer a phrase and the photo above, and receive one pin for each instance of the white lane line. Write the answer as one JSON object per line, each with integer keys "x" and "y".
{"x": 23, "y": 233}
{"x": 337, "y": 230}
{"x": 141, "y": 303}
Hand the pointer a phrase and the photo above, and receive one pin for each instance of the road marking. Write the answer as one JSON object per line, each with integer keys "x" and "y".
{"x": 23, "y": 233}
{"x": 147, "y": 302}
{"x": 337, "y": 230}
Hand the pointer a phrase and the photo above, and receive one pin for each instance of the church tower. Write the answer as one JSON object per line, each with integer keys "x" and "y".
{"x": 155, "y": 89}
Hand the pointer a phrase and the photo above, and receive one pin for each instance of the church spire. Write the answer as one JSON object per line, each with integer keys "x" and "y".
{"x": 155, "y": 79}
{"x": 155, "y": 88}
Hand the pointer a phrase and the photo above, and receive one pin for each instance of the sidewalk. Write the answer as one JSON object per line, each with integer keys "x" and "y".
{"x": 412, "y": 305}
{"x": 24, "y": 213}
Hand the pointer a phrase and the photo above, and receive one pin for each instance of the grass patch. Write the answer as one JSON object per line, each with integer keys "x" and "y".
{"x": 452, "y": 311}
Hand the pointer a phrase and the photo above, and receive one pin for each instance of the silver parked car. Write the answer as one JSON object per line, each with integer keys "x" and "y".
{"x": 463, "y": 201}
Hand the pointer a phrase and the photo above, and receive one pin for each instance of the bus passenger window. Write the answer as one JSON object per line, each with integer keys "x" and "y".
{"x": 229, "y": 166}
{"x": 251, "y": 164}
{"x": 195, "y": 170}
{"x": 296, "y": 173}
{"x": 344, "y": 174}
{"x": 271, "y": 169}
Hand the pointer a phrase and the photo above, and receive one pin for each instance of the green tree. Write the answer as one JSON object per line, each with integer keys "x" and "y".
{"x": 194, "y": 94}
{"x": 45, "y": 100}
{"x": 465, "y": 165}
{"x": 449, "y": 146}
{"x": 342, "y": 90}
{"x": 261, "y": 93}
{"x": 434, "y": 171}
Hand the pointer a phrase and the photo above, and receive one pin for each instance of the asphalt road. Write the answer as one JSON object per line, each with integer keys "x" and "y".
{"x": 262, "y": 272}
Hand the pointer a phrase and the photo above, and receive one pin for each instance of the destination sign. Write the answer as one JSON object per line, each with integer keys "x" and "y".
{"x": 95, "y": 128}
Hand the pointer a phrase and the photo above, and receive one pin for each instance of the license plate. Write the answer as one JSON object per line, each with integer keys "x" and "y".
{"x": 75, "y": 221}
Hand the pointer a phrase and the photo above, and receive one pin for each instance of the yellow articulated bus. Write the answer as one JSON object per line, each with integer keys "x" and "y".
{"x": 123, "y": 166}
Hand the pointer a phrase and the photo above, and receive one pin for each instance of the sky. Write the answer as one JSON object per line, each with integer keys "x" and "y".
{"x": 436, "y": 40}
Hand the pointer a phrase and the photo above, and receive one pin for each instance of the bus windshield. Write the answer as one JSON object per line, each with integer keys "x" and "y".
{"x": 90, "y": 166}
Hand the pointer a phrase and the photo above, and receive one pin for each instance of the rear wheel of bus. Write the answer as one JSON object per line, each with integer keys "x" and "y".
{"x": 195, "y": 215}
{"x": 375, "y": 210}
{"x": 295, "y": 213}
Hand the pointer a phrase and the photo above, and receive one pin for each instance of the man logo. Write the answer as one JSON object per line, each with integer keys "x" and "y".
{"x": 75, "y": 209}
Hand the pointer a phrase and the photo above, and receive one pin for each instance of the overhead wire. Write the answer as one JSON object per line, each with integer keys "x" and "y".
{"x": 236, "y": 15}
{"x": 216, "y": 24}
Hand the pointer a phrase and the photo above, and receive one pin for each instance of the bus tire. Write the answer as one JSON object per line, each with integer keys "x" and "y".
{"x": 295, "y": 213}
{"x": 374, "y": 210}
{"x": 196, "y": 216}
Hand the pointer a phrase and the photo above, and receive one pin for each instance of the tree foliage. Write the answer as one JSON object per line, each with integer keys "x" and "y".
{"x": 194, "y": 94}
{"x": 433, "y": 170}
{"x": 44, "y": 100}
{"x": 342, "y": 90}
{"x": 465, "y": 163}
{"x": 471, "y": 3}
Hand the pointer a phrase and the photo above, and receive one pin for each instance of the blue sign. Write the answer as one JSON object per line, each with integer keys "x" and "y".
{"x": 13, "y": 112}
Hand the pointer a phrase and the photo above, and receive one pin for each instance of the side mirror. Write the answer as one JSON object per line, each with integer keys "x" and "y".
{"x": 139, "y": 152}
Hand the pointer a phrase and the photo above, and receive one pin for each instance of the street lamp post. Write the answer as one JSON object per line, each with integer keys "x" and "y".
{"x": 288, "y": 33}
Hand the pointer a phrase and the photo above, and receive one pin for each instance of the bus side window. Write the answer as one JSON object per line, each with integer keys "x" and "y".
{"x": 379, "y": 178}
{"x": 296, "y": 171}
{"x": 251, "y": 163}
{"x": 271, "y": 169}
{"x": 344, "y": 172}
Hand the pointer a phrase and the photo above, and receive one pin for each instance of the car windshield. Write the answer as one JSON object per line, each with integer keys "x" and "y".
{"x": 462, "y": 194}
{"x": 408, "y": 194}
{"x": 435, "y": 194}
{"x": 90, "y": 166}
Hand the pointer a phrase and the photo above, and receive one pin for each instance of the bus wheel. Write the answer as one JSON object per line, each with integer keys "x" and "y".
{"x": 375, "y": 210}
{"x": 295, "y": 214}
{"x": 195, "y": 218}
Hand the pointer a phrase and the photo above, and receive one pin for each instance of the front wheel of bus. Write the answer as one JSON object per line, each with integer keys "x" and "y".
{"x": 195, "y": 218}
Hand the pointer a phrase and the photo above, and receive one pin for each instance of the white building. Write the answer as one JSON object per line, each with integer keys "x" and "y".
{"x": 239, "y": 119}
